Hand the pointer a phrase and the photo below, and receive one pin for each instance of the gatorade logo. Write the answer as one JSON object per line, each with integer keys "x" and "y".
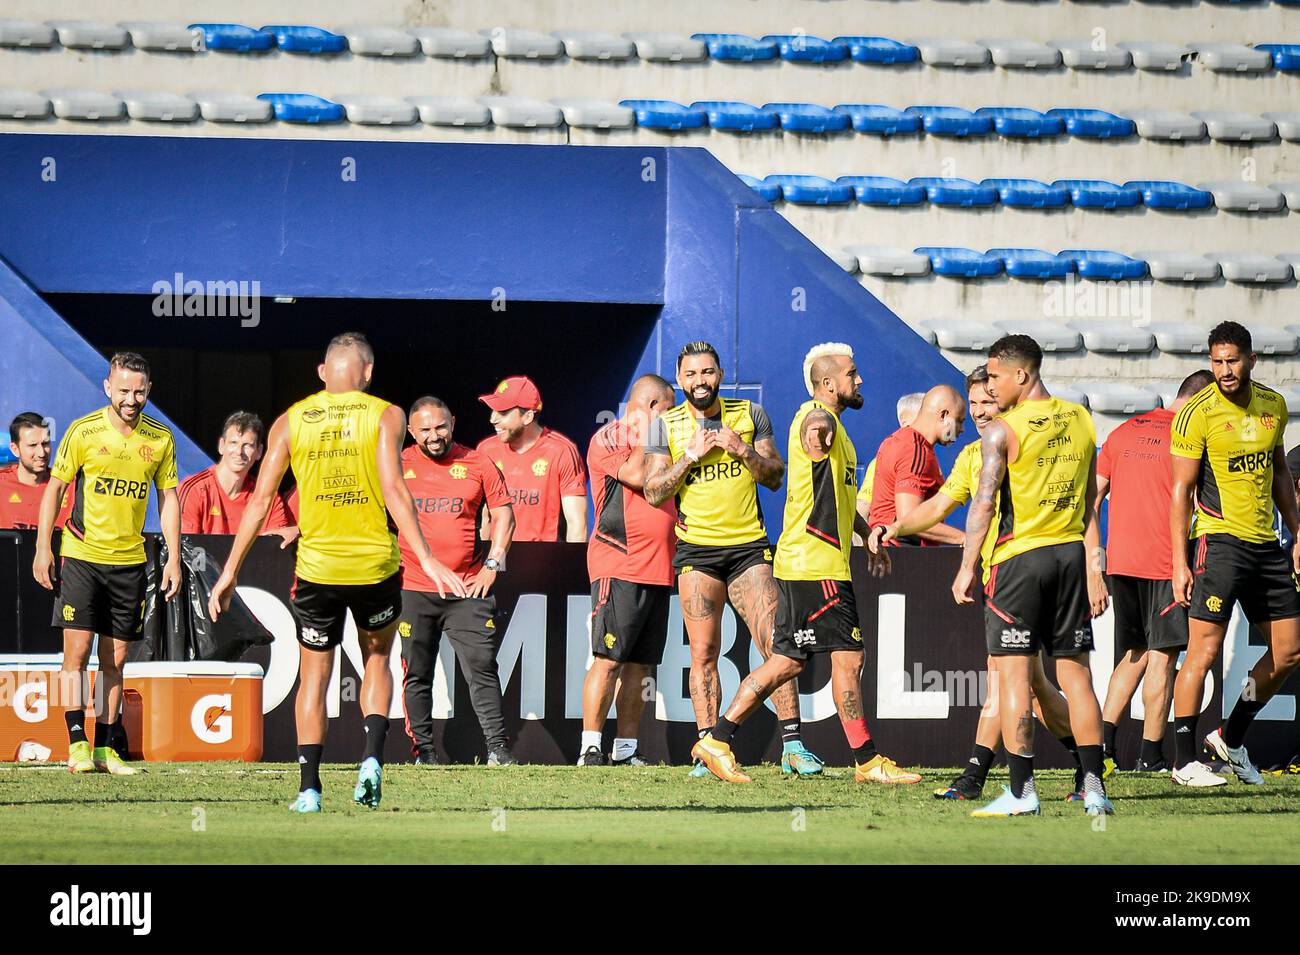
{"x": 211, "y": 720}
{"x": 31, "y": 703}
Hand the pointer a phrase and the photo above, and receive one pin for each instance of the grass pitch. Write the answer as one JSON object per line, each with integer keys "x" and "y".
{"x": 237, "y": 813}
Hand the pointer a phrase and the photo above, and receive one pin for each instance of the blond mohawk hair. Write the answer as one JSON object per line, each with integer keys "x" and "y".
{"x": 824, "y": 350}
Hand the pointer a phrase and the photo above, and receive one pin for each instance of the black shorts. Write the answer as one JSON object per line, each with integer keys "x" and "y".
{"x": 426, "y": 615}
{"x": 106, "y": 599}
{"x": 1147, "y": 617}
{"x": 815, "y": 616}
{"x": 723, "y": 562}
{"x": 322, "y": 609}
{"x": 1038, "y": 600}
{"x": 629, "y": 622}
{"x": 1258, "y": 576}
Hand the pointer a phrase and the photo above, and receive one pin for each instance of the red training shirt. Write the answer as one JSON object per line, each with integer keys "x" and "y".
{"x": 631, "y": 540}
{"x": 1136, "y": 461}
{"x": 449, "y": 494}
{"x": 20, "y": 504}
{"x": 205, "y": 508}
{"x": 537, "y": 478}
{"x": 905, "y": 462}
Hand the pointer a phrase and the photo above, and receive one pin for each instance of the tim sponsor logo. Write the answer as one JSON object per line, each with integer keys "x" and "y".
{"x": 76, "y": 908}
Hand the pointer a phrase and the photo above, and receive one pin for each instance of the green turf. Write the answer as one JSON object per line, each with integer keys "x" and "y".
{"x": 230, "y": 812}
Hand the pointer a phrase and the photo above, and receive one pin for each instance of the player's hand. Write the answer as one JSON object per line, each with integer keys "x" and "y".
{"x": 881, "y": 535}
{"x": 482, "y": 583}
{"x": 444, "y": 581}
{"x": 1183, "y": 585}
{"x": 1098, "y": 595}
{"x": 287, "y": 535}
{"x": 43, "y": 567}
{"x": 219, "y": 599}
{"x": 961, "y": 586}
{"x": 171, "y": 578}
{"x": 879, "y": 564}
{"x": 730, "y": 442}
{"x": 1295, "y": 556}
{"x": 702, "y": 442}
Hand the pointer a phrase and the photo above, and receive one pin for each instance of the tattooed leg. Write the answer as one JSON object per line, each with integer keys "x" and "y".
{"x": 754, "y": 596}
{"x": 702, "y": 599}
{"x": 1016, "y": 704}
{"x": 776, "y": 671}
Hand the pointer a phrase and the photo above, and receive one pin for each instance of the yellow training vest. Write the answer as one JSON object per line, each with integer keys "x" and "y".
{"x": 819, "y": 506}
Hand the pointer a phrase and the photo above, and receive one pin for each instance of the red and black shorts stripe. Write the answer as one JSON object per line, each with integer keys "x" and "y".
{"x": 815, "y": 616}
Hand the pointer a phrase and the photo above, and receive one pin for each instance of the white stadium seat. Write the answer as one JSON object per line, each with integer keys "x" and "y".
{"x": 451, "y": 111}
{"x": 1166, "y": 124}
{"x": 1236, "y": 127}
{"x": 1157, "y": 57}
{"x": 380, "y": 41}
{"x": 589, "y": 45}
{"x": 668, "y": 47}
{"x": 1290, "y": 192}
{"x": 522, "y": 112}
{"x": 451, "y": 43}
{"x": 1274, "y": 341}
{"x": 845, "y": 260}
{"x": 1244, "y": 196}
{"x": 158, "y": 107}
{"x": 595, "y": 114}
{"x": 1114, "y": 337}
{"x": 1051, "y": 336}
{"x": 218, "y": 107}
{"x": 523, "y": 44}
{"x": 20, "y": 104}
{"x": 1233, "y": 58}
{"x": 1022, "y": 54}
{"x": 85, "y": 104}
{"x": 963, "y": 334}
{"x": 1251, "y": 268}
{"x": 1179, "y": 266}
{"x": 1069, "y": 393}
{"x": 1118, "y": 397}
{"x": 888, "y": 260}
{"x": 26, "y": 33}
{"x": 936, "y": 51}
{"x": 1082, "y": 55}
{"x": 90, "y": 35}
{"x": 1288, "y": 125}
{"x": 1180, "y": 338}
{"x": 163, "y": 37}
{"x": 368, "y": 110}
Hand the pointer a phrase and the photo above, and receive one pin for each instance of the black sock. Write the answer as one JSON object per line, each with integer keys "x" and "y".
{"x": 103, "y": 733}
{"x": 866, "y": 752}
{"x": 1108, "y": 739}
{"x": 1022, "y": 773}
{"x": 703, "y": 731}
{"x": 1091, "y": 762}
{"x": 790, "y": 730}
{"x": 1243, "y": 714}
{"x": 1072, "y": 748}
{"x": 376, "y": 728}
{"x": 1184, "y": 741}
{"x": 117, "y": 740}
{"x": 980, "y": 762}
{"x": 1152, "y": 751}
{"x": 724, "y": 729}
{"x": 309, "y": 755}
{"x": 76, "y": 720}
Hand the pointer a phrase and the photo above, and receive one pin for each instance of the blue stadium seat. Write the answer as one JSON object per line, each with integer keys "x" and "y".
{"x": 665, "y": 114}
{"x": 951, "y": 121}
{"x": 768, "y": 190}
{"x": 305, "y": 39}
{"x": 1029, "y": 193}
{"x": 1094, "y": 123}
{"x": 884, "y": 191}
{"x": 1022, "y": 123}
{"x": 808, "y": 117}
{"x": 881, "y": 120}
{"x": 233, "y": 37}
{"x": 956, "y": 192}
{"x": 1286, "y": 56}
{"x": 1171, "y": 195}
{"x": 741, "y": 117}
{"x": 1099, "y": 264}
{"x": 736, "y": 47}
{"x": 809, "y": 49}
{"x": 1033, "y": 263}
{"x": 303, "y": 108}
{"x": 1100, "y": 194}
{"x": 879, "y": 49}
{"x": 963, "y": 263}
{"x": 812, "y": 190}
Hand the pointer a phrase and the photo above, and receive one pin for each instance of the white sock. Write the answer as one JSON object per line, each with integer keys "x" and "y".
{"x": 623, "y": 748}
{"x": 590, "y": 738}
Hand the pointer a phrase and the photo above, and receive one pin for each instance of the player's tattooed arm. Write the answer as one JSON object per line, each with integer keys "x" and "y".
{"x": 994, "y": 449}
{"x": 664, "y": 477}
{"x": 816, "y": 433}
{"x": 765, "y": 463}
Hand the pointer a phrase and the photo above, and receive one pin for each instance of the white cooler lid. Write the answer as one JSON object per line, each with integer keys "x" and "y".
{"x": 193, "y": 668}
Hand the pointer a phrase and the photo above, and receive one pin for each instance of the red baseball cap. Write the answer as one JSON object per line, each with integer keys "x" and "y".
{"x": 517, "y": 391}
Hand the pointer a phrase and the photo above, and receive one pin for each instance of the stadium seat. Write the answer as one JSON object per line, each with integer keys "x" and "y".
{"x": 959, "y": 53}
{"x": 381, "y": 41}
{"x": 1288, "y": 125}
{"x": 594, "y": 114}
{"x": 845, "y": 260}
{"x": 1157, "y": 57}
{"x": 1069, "y": 393}
{"x": 163, "y": 37}
{"x": 1274, "y": 341}
{"x": 26, "y": 33}
{"x": 1094, "y": 123}
{"x": 85, "y": 104}
{"x": 768, "y": 190}
{"x": 809, "y": 49}
{"x": 951, "y": 121}
{"x": 1180, "y": 338}
{"x": 1051, "y": 336}
{"x": 591, "y": 45}
{"x": 668, "y": 47}
{"x": 1029, "y": 193}
{"x": 884, "y": 191}
{"x": 1292, "y": 259}
{"x": 1240, "y": 196}
{"x": 217, "y": 107}
{"x": 1114, "y": 337}
{"x": 665, "y": 114}
{"x": 879, "y": 49}
{"x": 303, "y": 108}
{"x": 944, "y": 191}
{"x": 1290, "y": 393}
{"x": 521, "y": 112}
{"x": 1167, "y": 124}
{"x": 90, "y": 35}
{"x": 1166, "y": 389}
{"x": 923, "y": 331}
{"x": 19, "y": 104}
{"x": 890, "y": 261}
{"x": 1099, "y": 194}
{"x": 1081, "y": 55}
{"x": 1290, "y": 192}
{"x": 881, "y": 120}
{"x": 1021, "y": 123}
{"x": 1286, "y": 56}
{"x": 449, "y": 43}
{"x": 959, "y": 262}
{"x": 451, "y": 110}
{"x": 368, "y": 110}
{"x": 808, "y": 117}
{"x": 1179, "y": 266}
{"x": 1171, "y": 195}
{"x": 513, "y": 43}
{"x": 1101, "y": 264}
{"x": 1022, "y": 54}
{"x": 234, "y": 37}
{"x": 306, "y": 39}
{"x": 1252, "y": 268}
{"x": 812, "y": 190}
{"x": 159, "y": 107}
{"x": 1233, "y": 58}
{"x": 963, "y": 334}
{"x": 1033, "y": 263}
{"x": 1117, "y": 397}
{"x": 1236, "y": 127}
{"x": 736, "y": 47}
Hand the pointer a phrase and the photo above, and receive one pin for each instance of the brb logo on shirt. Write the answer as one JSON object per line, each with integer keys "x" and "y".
{"x": 119, "y": 487}
{"x": 719, "y": 470}
{"x": 1254, "y": 461}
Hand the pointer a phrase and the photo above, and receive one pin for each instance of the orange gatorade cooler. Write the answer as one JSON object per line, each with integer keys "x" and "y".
{"x": 31, "y": 709}
{"x": 194, "y": 711}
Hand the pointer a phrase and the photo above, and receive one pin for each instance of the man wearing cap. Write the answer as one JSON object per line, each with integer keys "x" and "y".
{"x": 543, "y": 469}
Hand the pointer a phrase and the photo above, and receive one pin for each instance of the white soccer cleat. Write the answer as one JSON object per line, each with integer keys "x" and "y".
{"x": 1236, "y": 758}
{"x": 1198, "y": 776}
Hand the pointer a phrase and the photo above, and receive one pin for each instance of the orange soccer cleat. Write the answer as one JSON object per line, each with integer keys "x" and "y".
{"x": 719, "y": 759}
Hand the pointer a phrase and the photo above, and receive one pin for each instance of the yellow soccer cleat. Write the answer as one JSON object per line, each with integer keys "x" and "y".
{"x": 719, "y": 759}
{"x": 107, "y": 761}
{"x": 79, "y": 760}
{"x": 882, "y": 769}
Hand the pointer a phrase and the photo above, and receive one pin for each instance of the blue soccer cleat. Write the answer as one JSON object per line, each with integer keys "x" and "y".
{"x": 308, "y": 801}
{"x": 699, "y": 771}
{"x": 1096, "y": 804}
{"x": 369, "y": 784}
{"x": 1009, "y": 805}
{"x": 798, "y": 760}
